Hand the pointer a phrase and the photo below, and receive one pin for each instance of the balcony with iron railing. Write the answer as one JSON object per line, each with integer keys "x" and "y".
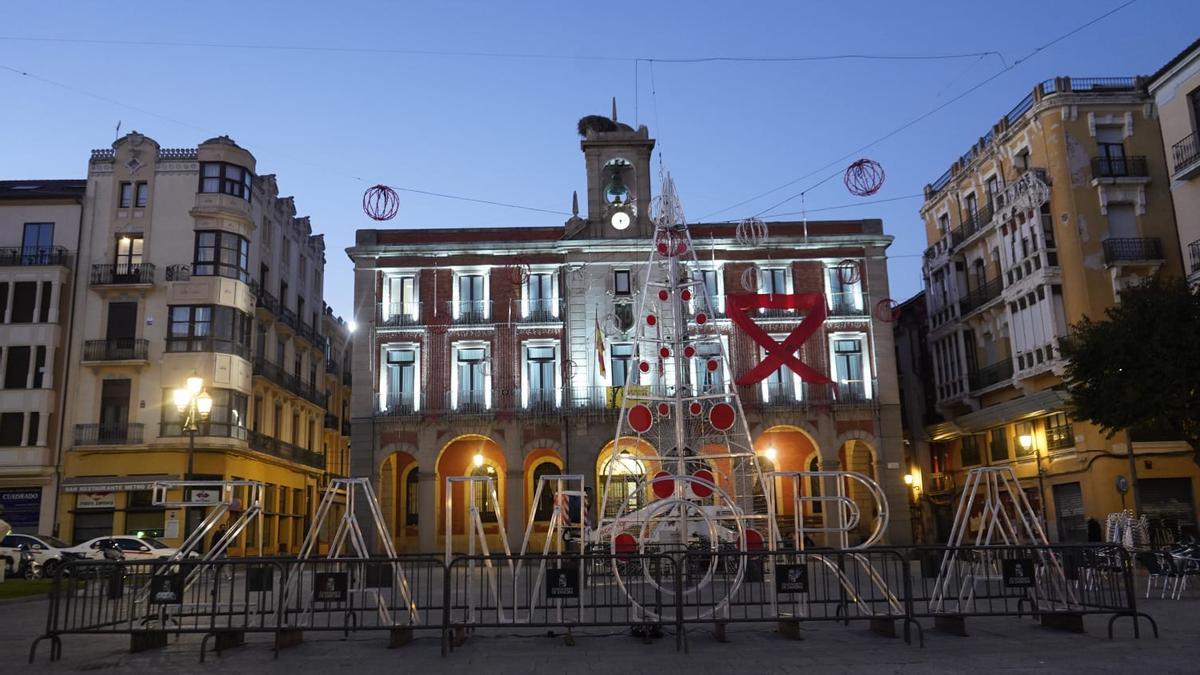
{"x": 980, "y": 296}
{"x": 972, "y": 223}
{"x": 1060, "y": 438}
{"x": 1194, "y": 256}
{"x": 1132, "y": 249}
{"x": 284, "y": 450}
{"x": 1186, "y": 157}
{"x": 288, "y": 381}
{"x": 990, "y": 375}
{"x": 116, "y": 349}
{"x": 847, "y": 304}
{"x": 206, "y": 428}
{"x": 346, "y": 428}
{"x": 123, "y": 274}
{"x": 396, "y": 314}
{"x": 1119, "y": 167}
{"x": 33, "y": 256}
{"x": 109, "y": 434}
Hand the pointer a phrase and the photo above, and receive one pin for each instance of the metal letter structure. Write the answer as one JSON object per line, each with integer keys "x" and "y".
{"x": 994, "y": 506}
{"x": 349, "y": 534}
{"x": 476, "y": 534}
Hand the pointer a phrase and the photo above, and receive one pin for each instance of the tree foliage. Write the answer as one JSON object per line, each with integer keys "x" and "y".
{"x": 1140, "y": 366}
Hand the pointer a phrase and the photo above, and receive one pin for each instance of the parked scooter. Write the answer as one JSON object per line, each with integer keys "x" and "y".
{"x": 28, "y": 566}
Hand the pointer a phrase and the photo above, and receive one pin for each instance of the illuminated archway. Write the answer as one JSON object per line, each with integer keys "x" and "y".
{"x": 626, "y": 466}
{"x": 467, "y": 455}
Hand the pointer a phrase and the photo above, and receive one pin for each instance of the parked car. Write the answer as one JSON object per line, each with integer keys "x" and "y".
{"x": 46, "y": 551}
{"x": 133, "y": 548}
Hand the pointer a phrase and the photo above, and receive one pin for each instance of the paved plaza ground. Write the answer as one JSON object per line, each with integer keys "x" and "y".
{"x": 993, "y": 644}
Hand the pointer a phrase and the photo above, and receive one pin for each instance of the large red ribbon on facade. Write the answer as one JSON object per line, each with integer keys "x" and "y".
{"x": 779, "y": 353}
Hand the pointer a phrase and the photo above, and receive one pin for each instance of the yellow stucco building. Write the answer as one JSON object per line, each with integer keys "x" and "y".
{"x": 1064, "y": 202}
{"x": 191, "y": 264}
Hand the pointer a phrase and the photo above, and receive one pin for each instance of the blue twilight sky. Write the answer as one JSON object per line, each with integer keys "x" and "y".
{"x": 331, "y": 123}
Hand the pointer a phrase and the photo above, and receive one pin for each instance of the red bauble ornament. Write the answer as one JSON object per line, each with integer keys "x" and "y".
{"x": 722, "y": 416}
{"x": 695, "y": 408}
{"x": 701, "y": 318}
{"x": 651, "y": 320}
{"x": 663, "y": 295}
{"x": 664, "y": 352}
{"x": 685, "y": 294}
{"x": 663, "y": 484}
{"x": 640, "y": 418}
{"x": 689, "y": 351}
{"x": 712, "y": 365}
{"x": 644, "y": 367}
{"x": 703, "y": 490}
{"x": 663, "y": 410}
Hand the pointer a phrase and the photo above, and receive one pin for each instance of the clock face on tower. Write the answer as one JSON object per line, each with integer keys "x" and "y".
{"x": 620, "y": 220}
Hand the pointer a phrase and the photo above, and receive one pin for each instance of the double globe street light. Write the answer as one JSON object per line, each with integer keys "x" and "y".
{"x": 194, "y": 404}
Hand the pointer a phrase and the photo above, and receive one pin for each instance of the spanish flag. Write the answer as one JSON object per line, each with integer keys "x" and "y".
{"x": 600, "y": 349}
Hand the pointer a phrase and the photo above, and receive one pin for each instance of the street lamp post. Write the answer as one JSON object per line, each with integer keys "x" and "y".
{"x": 194, "y": 404}
{"x": 1026, "y": 441}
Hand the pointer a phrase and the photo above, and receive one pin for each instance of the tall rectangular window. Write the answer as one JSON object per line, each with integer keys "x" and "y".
{"x": 35, "y": 420}
{"x": 774, "y": 280}
{"x": 470, "y": 297}
{"x": 780, "y": 385}
{"x": 844, "y": 299}
{"x": 129, "y": 257}
{"x": 540, "y": 296}
{"x": 622, "y": 283}
{"x": 401, "y": 366}
{"x": 16, "y": 372}
{"x": 972, "y": 445}
{"x": 126, "y": 195}
{"x": 471, "y": 378}
{"x": 710, "y": 380}
{"x": 44, "y": 304}
{"x": 621, "y": 365}
{"x": 848, "y": 369}
{"x": 39, "y": 366}
{"x": 402, "y": 298}
{"x": 539, "y": 364}
{"x": 712, "y": 289}
{"x": 24, "y": 301}
{"x": 999, "y": 439}
{"x": 11, "y": 426}
{"x": 143, "y": 195}
{"x": 37, "y": 240}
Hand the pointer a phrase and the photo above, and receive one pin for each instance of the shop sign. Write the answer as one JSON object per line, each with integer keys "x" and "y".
{"x": 95, "y": 500}
{"x": 22, "y": 506}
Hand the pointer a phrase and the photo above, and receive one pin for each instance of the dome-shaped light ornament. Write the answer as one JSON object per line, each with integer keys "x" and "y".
{"x": 381, "y": 203}
{"x": 751, "y": 232}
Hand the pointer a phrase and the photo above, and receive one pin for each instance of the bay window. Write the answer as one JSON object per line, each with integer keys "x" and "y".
{"x": 221, "y": 254}
{"x": 208, "y": 328}
{"x": 226, "y": 178}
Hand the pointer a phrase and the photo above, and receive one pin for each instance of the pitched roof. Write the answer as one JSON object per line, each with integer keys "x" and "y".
{"x": 72, "y": 188}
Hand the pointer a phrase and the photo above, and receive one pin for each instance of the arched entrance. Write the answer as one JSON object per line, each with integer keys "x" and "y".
{"x": 471, "y": 455}
{"x": 538, "y": 463}
{"x": 857, "y": 455}
{"x": 399, "y": 499}
{"x": 789, "y": 448}
{"x": 626, "y": 468}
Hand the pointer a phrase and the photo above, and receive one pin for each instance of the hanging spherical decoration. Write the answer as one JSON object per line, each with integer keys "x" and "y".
{"x": 651, "y": 319}
{"x": 864, "y": 177}
{"x": 722, "y": 416}
{"x": 695, "y": 408}
{"x": 701, "y": 318}
{"x": 700, "y": 489}
{"x": 664, "y": 352}
{"x": 664, "y": 410}
{"x": 887, "y": 310}
{"x": 750, "y": 279}
{"x": 663, "y": 295}
{"x": 644, "y": 366}
{"x": 670, "y": 242}
{"x": 685, "y": 295}
{"x": 849, "y": 272}
{"x": 689, "y": 351}
{"x": 663, "y": 484}
{"x": 751, "y": 232}
{"x": 381, "y": 203}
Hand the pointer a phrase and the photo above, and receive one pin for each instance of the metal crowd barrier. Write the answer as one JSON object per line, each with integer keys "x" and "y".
{"x": 1057, "y": 584}
{"x": 224, "y": 600}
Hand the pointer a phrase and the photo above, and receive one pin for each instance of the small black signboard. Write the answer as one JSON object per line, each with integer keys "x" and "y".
{"x": 562, "y": 583}
{"x": 260, "y": 578}
{"x": 166, "y": 589}
{"x": 380, "y": 575}
{"x": 791, "y": 579}
{"x": 1017, "y": 572}
{"x": 330, "y": 586}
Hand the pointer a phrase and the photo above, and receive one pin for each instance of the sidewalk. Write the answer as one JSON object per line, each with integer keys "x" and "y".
{"x": 994, "y": 644}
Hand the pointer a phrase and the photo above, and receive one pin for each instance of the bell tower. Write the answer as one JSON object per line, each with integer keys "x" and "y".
{"x": 618, "y": 178}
